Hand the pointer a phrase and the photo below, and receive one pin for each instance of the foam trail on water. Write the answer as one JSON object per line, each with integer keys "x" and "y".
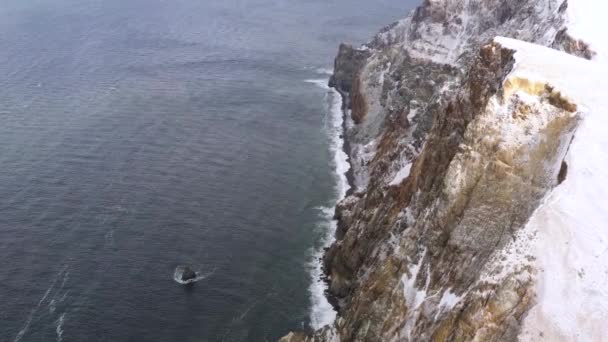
{"x": 325, "y": 71}
{"x": 59, "y": 328}
{"x": 322, "y": 313}
{"x": 33, "y": 312}
{"x": 321, "y": 83}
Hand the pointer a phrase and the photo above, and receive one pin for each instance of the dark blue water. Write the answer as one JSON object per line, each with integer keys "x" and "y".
{"x": 139, "y": 135}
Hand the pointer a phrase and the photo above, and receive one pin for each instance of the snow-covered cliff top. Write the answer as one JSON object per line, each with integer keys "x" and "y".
{"x": 571, "y": 227}
{"x": 584, "y": 20}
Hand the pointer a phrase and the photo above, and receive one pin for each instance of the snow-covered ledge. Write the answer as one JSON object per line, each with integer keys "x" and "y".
{"x": 571, "y": 227}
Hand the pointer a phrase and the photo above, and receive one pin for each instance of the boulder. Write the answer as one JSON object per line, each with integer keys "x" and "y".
{"x": 188, "y": 274}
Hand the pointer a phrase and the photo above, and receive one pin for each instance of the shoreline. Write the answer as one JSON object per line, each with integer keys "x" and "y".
{"x": 324, "y": 309}
{"x": 350, "y": 177}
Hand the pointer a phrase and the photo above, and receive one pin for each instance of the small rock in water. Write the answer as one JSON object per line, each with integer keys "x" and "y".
{"x": 188, "y": 274}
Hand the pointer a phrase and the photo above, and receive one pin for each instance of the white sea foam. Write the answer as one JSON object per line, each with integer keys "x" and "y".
{"x": 63, "y": 272}
{"x": 341, "y": 163}
{"x": 325, "y": 71}
{"x": 59, "y": 329}
{"x": 321, "y": 83}
{"x": 322, "y": 313}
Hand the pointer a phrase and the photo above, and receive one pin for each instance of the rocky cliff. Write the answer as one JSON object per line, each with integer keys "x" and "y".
{"x": 454, "y": 152}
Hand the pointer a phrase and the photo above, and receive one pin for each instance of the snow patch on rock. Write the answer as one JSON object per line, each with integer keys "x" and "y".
{"x": 401, "y": 175}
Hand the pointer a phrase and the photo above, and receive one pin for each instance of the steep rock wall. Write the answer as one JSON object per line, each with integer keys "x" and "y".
{"x": 451, "y": 157}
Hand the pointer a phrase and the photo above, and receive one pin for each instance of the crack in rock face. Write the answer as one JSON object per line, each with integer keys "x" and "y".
{"x": 563, "y": 172}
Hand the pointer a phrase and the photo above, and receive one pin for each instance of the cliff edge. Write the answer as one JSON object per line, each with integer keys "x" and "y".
{"x": 479, "y": 173}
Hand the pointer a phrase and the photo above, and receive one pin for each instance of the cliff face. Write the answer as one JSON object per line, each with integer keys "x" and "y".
{"x": 452, "y": 152}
